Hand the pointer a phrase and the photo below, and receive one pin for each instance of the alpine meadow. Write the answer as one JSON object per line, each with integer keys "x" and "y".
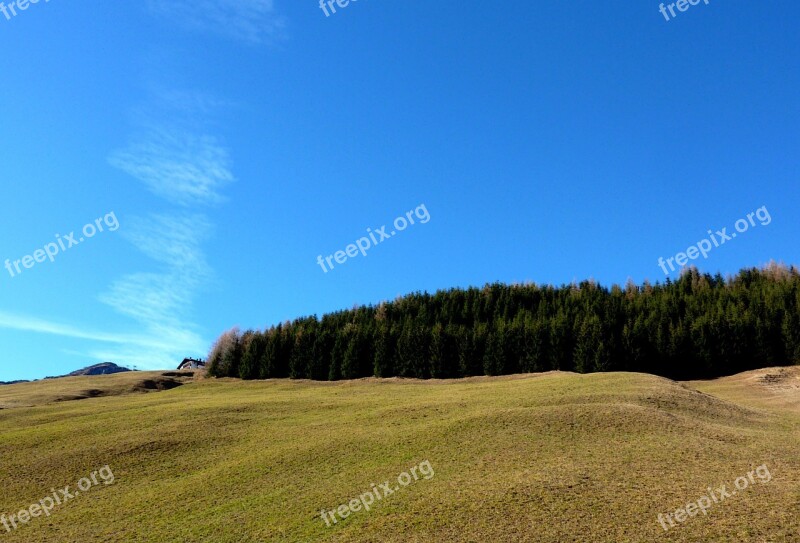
{"x": 354, "y": 271}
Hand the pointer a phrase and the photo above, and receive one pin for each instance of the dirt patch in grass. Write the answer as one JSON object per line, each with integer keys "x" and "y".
{"x": 163, "y": 383}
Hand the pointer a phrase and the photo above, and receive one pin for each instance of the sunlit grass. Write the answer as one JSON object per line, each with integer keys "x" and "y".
{"x": 552, "y": 457}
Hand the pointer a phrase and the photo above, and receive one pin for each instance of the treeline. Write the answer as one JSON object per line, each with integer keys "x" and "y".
{"x": 699, "y": 326}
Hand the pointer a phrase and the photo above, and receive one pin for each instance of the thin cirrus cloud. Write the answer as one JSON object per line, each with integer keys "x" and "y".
{"x": 251, "y": 21}
{"x": 162, "y": 300}
{"x": 186, "y": 168}
{"x": 172, "y": 239}
{"x": 24, "y": 323}
{"x": 180, "y": 166}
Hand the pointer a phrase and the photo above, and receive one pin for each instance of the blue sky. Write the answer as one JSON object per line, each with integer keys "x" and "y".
{"x": 235, "y": 142}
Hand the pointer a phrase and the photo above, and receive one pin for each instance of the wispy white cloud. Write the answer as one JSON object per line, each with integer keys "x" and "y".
{"x": 252, "y": 21}
{"x": 176, "y": 160}
{"x": 150, "y": 297}
{"x": 24, "y": 323}
{"x": 177, "y": 165}
{"x": 187, "y": 168}
{"x": 163, "y": 299}
{"x": 165, "y": 346}
{"x": 172, "y": 239}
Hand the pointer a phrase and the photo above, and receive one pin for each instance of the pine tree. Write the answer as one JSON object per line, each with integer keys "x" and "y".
{"x": 494, "y": 359}
{"x": 251, "y": 359}
{"x": 586, "y": 343}
{"x": 302, "y": 354}
{"x": 340, "y": 345}
{"x": 320, "y": 368}
{"x": 535, "y": 357}
{"x": 355, "y": 363}
{"x": 384, "y": 352}
{"x": 443, "y": 352}
{"x": 268, "y": 364}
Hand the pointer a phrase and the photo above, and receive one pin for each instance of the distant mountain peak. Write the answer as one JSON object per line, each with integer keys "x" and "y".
{"x": 106, "y": 368}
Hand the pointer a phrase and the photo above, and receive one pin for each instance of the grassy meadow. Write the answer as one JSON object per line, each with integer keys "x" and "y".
{"x": 553, "y": 457}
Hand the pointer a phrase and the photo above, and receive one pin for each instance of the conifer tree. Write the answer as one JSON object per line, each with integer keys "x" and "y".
{"x": 251, "y": 358}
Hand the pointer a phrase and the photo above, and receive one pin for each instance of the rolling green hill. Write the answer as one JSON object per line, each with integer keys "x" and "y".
{"x": 553, "y": 457}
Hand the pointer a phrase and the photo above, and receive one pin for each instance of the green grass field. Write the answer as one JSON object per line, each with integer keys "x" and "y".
{"x": 555, "y": 457}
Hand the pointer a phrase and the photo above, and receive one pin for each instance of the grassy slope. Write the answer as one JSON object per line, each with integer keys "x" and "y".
{"x": 551, "y": 457}
{"x": 81, "y": 388}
